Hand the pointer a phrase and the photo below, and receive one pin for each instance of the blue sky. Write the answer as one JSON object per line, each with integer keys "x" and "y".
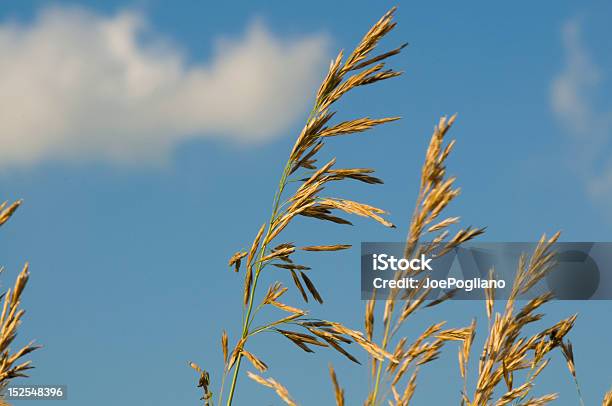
{"x": 134, "y": 200}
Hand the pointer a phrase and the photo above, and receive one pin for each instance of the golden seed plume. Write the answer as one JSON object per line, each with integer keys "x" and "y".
{"x": 224, "y": 341}
{"x": 280, "y": 390}
{"x": 7, "y": 212}
{"x": 336, "y": 247}
{"x": 256, "y": 362}
{"x": 236, "y": 259}
{"x": 338, "y": 391}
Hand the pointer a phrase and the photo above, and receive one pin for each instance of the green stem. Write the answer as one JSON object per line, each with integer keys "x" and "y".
{"x": 277, "y": 198}
{"x": 380, "y": 363}
{"x": 247, "y": 320}
{"x": 222, "y": 385}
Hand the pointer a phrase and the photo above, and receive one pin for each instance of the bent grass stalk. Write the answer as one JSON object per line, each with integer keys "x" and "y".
{"x": 344, "y": 74}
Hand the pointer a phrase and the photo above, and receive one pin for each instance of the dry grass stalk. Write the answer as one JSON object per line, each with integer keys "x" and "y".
{"x": 505, "y": 351}
{"x": 7, "y": 212}
{"x": 336, "y": 247}
{"x": 204, "y": 383}
{"x": 338, "y": 391}
{"x": 10, "y": 319}
{"x": 257, "y": 363}
{"x": 490, "y": 295}
{"x": 436, "y": 192}
{"x": 10, "y": 362}
{"x": 236, "y": 260}
{"x": 224, "y": 348}
{"x": 543, "y": 400}
{"x": 358, "y": 69}
{"x": 280, "y": 390}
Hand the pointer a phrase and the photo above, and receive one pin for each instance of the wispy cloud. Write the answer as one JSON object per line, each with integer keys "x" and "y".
{"x": 76, "y": 85}
{"x": 574, "y": 101}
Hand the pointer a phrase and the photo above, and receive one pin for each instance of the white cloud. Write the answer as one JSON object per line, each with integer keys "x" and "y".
{"x": 574, "y": 102}
{"x": 75, "y": 85}
{"x": 572, "y": 87}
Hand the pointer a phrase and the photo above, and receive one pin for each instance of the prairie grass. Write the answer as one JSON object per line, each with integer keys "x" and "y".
{"x": 506, "y": 351}
{"x": 359, "y": 68}
{"x": 510, "y": 360}
{"x": 508, "y": 354}
{"x": 11, "y": 362}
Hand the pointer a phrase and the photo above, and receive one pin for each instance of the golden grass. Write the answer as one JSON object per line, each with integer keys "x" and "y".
{"x": 505, "y": 351}
{"x": 11, "y": 365}
{"x": 280, "y": 390}
{"x": 395, "y": 361}
{"x": 436, "y": 192}
{"x": 338, "y": 391}
{"x": 358, "y": 69}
